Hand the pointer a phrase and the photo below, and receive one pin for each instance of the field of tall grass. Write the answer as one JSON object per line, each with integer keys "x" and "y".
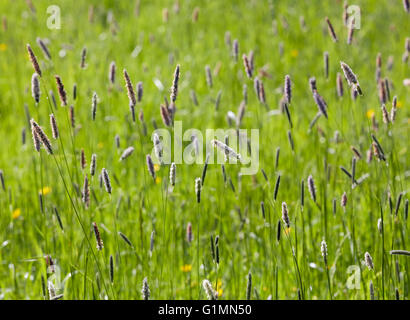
{"x": 90, "y": 210}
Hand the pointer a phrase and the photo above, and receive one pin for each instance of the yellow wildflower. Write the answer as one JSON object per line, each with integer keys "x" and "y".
{"x": 294, "y": 53}
{"x": 156, "y": 167}
{"x": 45, "y": 191}
{"x": 16, "y": 213}
{"x": 370, "y": 113}
{"x": 158, "y": 180}
{"x": 186, "y": 268}
{"x": 100, "y": 145}
{"x": 220, "y": 291}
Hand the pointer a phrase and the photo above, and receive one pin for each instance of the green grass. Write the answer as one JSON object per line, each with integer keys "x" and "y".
{"x": 149, "y": 49}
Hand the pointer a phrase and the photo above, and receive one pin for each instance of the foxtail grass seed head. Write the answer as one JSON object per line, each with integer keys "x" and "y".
{"x": 51, "y": 290}
{"x": 226, "y": 149}
{"x": 205, "y": 169}
{"x": 379, "y": 60}
{"x": 326, "y": 63}
{"x": 193, "y": 97}
{"x": 93, "y": 164}
{"x": 262, "y": 96}
{"x": 387, "y": 88}
{"x": 111, "y": 269}
{"x": 393, "y": 113}
{"x": 166, "y": 118}
{"x": 285, "y": 214}
{"x": 368, "y": 260}
{"x": 323, "y": 249}
{"x": 43, "y": 48}
{"x": 152, "y": 239}
{"x": 145, "y": 289}
{"x": 263, "y": 209}
{"x": 74, "y": 91}
{"x": 86, "y": 192}
{"x": 198, "y": 187}
{"x": 223, "y": 173}
{"x": 172, "y": 173}
{"x": 378, "y": 74}
{"x": 406, "y": 5}
{"x": 130, "y": 89}
{"x": 72, "y": 117}
{"x": 127, "y": 152}
{"x": 33, "y": 60}
{"x": 256, "y": 86}
{"x": 241, "y": 113}
{"x": 150, "y": 166}
{"x": 385, "y": 114}
{"x": 311, "y": 188}
{"x": 390, "y": 62}
{"x": 321, "y": 104}
{"x": 331, "y": 30}
{"x": 288, "y": 89}
{"x": 209, "y": 291}
{"x": 382, "y": 92}
{"x": 106, "y": 179}
{"x": 157, "y": 147}
{"x": 111, "y": 72}
{"x": 398, "y": 202}
{"x": 98, "y": 239}
{"x": 235, "y": 49}
{"x": 125, "y": 238}
{"x": 312, "y": 84}
{"x": 394, "y": 102}
{"x": 36, "y": 139}
{"x": 275, "y": 193}
{"x": 189, "y": 232}
{"x": 249, "y": 286}
{"x": 357, "y": 154}
{"x": 350, "y": 77}
{"x": 2, "y": 180}
{"x": 247, "y": 66}
{"x": 278, "y": 230}
{"x": 290, "y": 139}
{"x": 53, "y": 99}
{"x": 83, "y": 161}
{"x": 35, "y": 88}
{"x": 174, "y": 88}
{"x": 61, "y": 92}
{"x": 377, "y": 149}
{"x": 53, "y": 125}
{"x": 350, "y": 31}
{"x": 208, "y": 76}
{"x": 41, "y": 136}
{"x": 83, "y": 56}
{"x": 217, "y": 250}
{"x": 195, "y": 14}
{"x": 339, "y": 85}
{"x": 343, "y": 201}
{"x": 371, "y": 290}
{"x": 94, "y": 102}
{"x": 140, "y": 90}
{"x": 353, "y": 93}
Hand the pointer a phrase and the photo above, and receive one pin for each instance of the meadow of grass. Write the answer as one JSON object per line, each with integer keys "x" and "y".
{"x": 48, "y": 246}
